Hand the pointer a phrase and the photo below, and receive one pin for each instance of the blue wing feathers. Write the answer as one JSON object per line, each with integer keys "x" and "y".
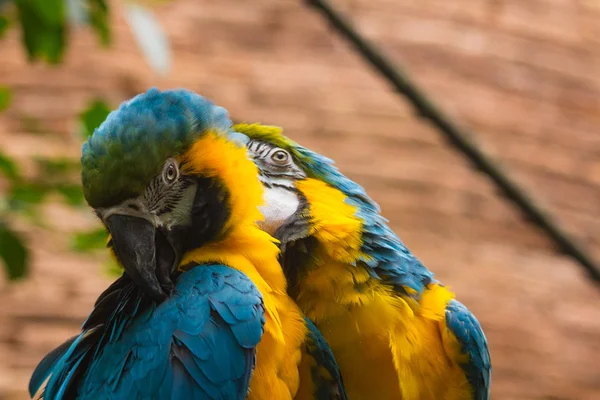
{"x": 184, "y": 386}
{"x": 165, "y": 388}
{"x": 195, "y": 371}
{"x": 62, "y": 373}
{"x": 45, "y": 366}
{"x": 465, "y": 327}
{"x": 64, "y": 386}
{"x": 249, "y": 332}
{"x": 387, "y": 256}
{"x": 390, "y": 260}
{"x": 200, "y": 343}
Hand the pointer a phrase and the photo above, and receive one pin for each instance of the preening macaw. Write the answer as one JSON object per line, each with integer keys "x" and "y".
{"x": 201, "y": 311}
{"x": 395, "y": 331}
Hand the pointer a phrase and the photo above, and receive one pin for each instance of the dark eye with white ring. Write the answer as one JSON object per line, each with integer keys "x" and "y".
{"x": 280, "y": 157}
{"x": 170, "y": 173}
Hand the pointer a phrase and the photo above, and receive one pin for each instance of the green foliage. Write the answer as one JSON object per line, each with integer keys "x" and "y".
{"x": 13, "y": 252}
{"x": 55, "y": 175}
{"x": 32, "y": 124}
{"x": 84, "y": 242}
{"x": 22, "y": 196}
{"x": 43, "y": 29}
{"x": 93, "y": 116}
{"x": 56, "y": 168}
{"x": 98, "y": 13}
{"x": 72, "y": 193}
{"x": 9, "y": 168}
{"x": 4, "y": 24}
{"x": 44, "y": 26}
{"x": 5, "y": 97}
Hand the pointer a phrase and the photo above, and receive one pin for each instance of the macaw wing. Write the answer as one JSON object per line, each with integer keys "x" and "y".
{"x": 199, "y": 343}
{"x": 465, "y": 327}
{"x": 44, "y": 368}
{"x": 326, "y": 377}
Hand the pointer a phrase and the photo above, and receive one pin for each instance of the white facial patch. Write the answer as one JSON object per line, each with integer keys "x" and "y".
{"x": 280, "y": 204}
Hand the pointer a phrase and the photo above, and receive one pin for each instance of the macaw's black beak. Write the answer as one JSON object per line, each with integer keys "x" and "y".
{"x": 146, "y": 254}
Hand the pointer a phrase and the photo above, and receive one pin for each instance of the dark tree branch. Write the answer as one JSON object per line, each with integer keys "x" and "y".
{"x": 457, "y": 136}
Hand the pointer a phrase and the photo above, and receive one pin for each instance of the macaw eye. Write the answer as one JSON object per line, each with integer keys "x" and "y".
{"x": 280, "y": 157}
{"x": 170, "y": 173}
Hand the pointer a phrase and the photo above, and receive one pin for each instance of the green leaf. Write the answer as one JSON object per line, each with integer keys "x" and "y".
{"x": 87, "y": 241}
{"x": 56, "y": 167}
{"x": 43, "y": 28}
{"x": 24, "y": 195}
{"x": 5, "y": 97}
{"x": 9, "y": 168}
{"x": 93, "y": 116}
{"x": 4, "y": 23}
{"x": 13, "y": 252}
{"x": 99, "y": 14}
{"x": 72, "y": 194}
{"x": 51, "y": 12}
{"x": 32, "y": 124}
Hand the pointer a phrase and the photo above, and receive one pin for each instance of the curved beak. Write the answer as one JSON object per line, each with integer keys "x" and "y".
{"x": 144, "y": 252}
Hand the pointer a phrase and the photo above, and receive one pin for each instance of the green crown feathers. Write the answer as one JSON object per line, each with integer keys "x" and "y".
{"x": 134, "y": 141}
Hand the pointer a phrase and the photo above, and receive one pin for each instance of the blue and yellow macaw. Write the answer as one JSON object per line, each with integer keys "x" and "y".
{"x": 201, "y": 311}
{"x": 395, "y": 331}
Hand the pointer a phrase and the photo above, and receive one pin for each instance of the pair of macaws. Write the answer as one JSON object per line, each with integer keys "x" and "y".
{"x": 210, "y": 307}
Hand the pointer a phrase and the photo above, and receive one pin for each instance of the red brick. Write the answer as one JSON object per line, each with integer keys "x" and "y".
{"x": 364, "y": 102}
{"x": 557, "y": 22}
{"x": 546, "y": 157}
{"x": 462, "y": 10}
{"x": 592, "y": 172}
{"x": 560, "y": 191}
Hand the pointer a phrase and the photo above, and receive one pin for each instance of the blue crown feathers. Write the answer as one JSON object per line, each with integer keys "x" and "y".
{"x": 134, "y": 141}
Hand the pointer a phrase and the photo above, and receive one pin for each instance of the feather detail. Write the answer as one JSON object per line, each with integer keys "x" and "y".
{"x": 379, "y": 308}
{"x": 144, "y": 132}
{"x": 185, "y": 346}
{"x": 474, "y": 356}
{"x": 44, "y": 368}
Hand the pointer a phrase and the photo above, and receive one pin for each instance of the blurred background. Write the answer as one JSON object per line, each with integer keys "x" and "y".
{"x": 524, "y": 76}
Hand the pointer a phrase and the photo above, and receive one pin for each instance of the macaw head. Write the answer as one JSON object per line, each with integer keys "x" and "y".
{"x": 315, "y": 212}
{"x": 280, "y": 168}
{"x": 165, "y": 178}
{"x": 300, "y": 185}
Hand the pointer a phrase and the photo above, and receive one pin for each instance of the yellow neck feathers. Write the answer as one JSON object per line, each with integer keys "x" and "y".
{"x": 333, "y": 222}
{"x": 244, "y": 246}
{"x": 215, "y": 156}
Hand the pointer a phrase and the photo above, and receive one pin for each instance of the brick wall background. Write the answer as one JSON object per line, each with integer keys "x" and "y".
{"x": 524, "y": 75}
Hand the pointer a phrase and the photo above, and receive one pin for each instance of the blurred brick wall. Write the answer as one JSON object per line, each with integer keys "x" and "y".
{"x": 524, "y": 75}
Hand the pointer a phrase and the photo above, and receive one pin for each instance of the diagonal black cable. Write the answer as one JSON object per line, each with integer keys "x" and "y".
{"x": 456, "y": 136}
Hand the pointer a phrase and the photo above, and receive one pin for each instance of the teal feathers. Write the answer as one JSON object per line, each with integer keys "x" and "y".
{"x": 198, "y": 344}
{"x": 130, "y": 147}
